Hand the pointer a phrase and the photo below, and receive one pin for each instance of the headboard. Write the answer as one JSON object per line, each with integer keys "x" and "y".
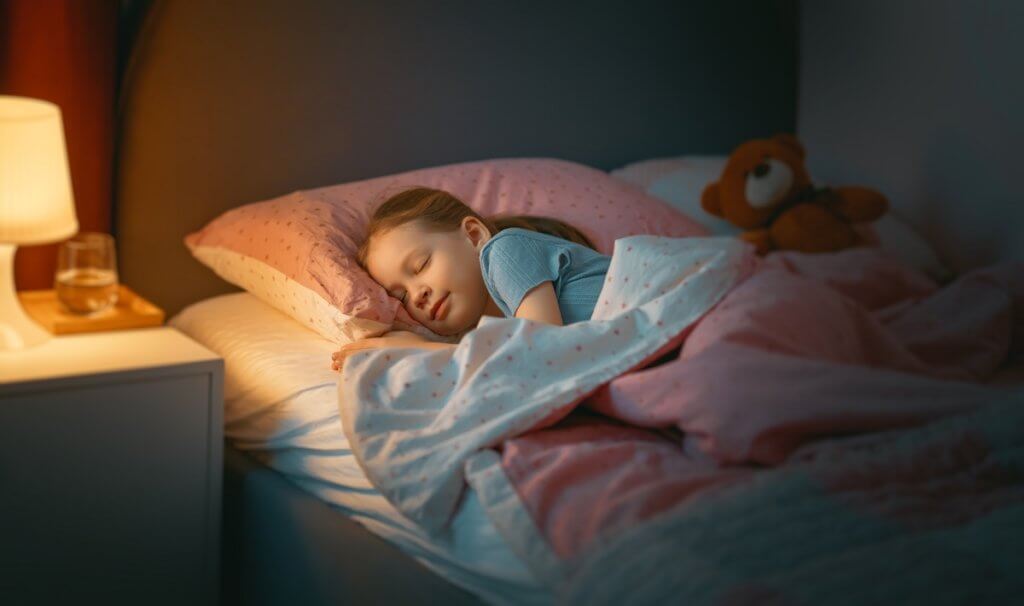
{"x": 229, "y": 102}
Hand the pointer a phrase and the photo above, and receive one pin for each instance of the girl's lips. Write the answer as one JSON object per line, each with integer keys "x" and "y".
{"x": 434, "y": 313}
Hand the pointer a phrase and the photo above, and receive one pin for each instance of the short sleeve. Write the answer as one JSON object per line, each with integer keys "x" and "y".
{"x": 513, "y": 262}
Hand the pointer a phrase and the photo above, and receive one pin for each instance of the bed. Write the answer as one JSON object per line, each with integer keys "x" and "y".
{"x": 294, "y": 488}
{"x": 228, "y": 103}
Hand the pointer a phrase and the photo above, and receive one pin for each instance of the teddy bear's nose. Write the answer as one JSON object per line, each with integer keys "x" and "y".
{"x": 761, "y": 170}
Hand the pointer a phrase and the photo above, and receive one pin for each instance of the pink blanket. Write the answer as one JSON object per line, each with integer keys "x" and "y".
{"x": 763, "y": 357}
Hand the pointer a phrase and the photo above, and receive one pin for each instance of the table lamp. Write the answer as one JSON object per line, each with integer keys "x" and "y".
{"x": 36, "y": 206}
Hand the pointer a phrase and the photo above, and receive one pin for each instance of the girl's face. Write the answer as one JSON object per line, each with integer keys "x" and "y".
{"x": 436, "y": 275}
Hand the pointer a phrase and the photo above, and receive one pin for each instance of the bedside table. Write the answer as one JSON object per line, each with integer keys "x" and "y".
{"x": 110, "y": 470}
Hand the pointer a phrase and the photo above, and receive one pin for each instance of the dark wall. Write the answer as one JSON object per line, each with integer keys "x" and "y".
{"x": 925, "y": 100}
{"x": 235, "y": 101}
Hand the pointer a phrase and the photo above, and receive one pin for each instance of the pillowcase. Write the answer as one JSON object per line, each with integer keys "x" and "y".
{"x": 680, "y": 182}
{"x": 297, "y": 252}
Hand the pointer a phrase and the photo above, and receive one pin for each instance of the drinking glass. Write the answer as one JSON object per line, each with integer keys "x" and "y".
{"x": 86, "y": 279}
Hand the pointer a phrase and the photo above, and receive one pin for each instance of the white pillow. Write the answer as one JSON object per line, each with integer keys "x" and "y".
{"x": 681, "y": 180}
{"x": 682, "y": 187}
{"x": 896, "y": 237}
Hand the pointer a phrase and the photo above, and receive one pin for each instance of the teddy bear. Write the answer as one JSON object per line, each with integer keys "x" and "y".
{"x": 765, "y": 189}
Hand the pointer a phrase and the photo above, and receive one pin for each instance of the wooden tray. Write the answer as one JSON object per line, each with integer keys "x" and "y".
{"x": 130, "y": 311}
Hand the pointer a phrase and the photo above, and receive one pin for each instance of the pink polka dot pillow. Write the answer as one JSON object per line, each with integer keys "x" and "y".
{"x": 296, "y": 252}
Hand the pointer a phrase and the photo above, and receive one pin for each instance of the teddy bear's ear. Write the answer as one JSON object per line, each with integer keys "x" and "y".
{"x": 791, "y": 142}
{"x": 709, "y": 200}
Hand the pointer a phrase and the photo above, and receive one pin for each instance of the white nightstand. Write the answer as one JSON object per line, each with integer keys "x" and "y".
{"x": 110, "y": 470}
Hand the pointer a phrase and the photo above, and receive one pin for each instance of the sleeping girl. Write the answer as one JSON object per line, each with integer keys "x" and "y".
{"x": 449, "y": 267}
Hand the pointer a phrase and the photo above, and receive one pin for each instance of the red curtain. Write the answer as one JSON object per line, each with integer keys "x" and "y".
{"x": 65, "y": 51}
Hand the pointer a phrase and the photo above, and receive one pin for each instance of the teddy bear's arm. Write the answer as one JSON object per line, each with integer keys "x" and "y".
{"x": 709, "y": 200}
{"x": 857, "y": 204}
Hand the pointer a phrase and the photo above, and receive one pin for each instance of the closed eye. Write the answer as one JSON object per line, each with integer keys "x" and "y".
{"x": 424, "y": 264}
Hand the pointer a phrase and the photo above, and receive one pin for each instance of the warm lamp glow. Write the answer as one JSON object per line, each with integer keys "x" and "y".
{"x": 35, "y": 184}
{"x": 36, "y": 205}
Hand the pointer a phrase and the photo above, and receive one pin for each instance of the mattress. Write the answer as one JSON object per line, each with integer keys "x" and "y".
{"x": 280, "y": 407}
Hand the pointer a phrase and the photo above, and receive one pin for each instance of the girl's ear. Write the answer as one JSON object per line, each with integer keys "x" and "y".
{"x": 476, "y": 231}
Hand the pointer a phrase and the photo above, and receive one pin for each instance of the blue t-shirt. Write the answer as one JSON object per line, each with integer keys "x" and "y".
{"x": 515, "y": 260}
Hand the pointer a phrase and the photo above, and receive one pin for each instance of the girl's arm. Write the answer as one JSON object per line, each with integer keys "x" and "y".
{"x": 540, "y": 305}
{"x": 392, "y": 339}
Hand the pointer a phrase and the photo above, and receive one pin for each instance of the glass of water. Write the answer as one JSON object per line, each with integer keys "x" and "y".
{"x": 86, "y": 279}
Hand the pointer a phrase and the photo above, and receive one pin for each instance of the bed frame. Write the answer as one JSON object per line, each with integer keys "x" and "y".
{"x": 229, "y": 102}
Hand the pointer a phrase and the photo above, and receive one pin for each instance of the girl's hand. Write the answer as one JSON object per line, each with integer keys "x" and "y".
{"x": 398, "y": 338}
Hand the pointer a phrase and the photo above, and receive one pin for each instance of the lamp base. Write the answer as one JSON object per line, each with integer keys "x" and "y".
{"x": 17, "y": 330}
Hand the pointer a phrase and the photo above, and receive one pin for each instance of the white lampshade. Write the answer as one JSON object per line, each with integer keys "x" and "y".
{"x": 35, "y": 202}
{"x": 36, "y": 205}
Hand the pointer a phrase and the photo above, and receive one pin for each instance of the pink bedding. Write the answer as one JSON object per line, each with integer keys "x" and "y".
{"x": 573, "y": 443}
{"x": 778, "y": 362}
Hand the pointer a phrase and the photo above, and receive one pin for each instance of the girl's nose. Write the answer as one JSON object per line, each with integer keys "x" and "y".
{"x": 423, "y": 297}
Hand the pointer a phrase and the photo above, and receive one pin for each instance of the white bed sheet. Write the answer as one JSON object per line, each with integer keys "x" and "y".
{"x": 280, "y": 405}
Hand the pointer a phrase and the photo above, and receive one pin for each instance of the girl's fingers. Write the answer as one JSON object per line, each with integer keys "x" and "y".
{"x": 346, "y": 350}
{"x": 337, "y": 363}
{"x": 338, "y": 357}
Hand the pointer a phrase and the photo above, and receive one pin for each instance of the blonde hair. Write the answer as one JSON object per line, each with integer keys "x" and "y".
{"x": 438, "y": 210}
